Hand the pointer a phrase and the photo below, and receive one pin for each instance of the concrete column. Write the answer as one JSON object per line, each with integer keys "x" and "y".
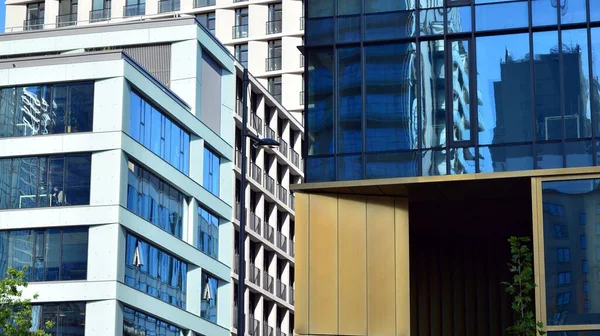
{"x": 108, "y": 185}
{"x": 226, "y": 241}
{"x": 106, "y": 256}
{"x": 190, "y": 229}
{"x": 103, "y": 318}
{"x": 186, "y": 70}
{"x": 224, "y": 305}
{"x": 51, "y": 11}
{"x": 111, "y": 114}
{"x": 194, "y": 289}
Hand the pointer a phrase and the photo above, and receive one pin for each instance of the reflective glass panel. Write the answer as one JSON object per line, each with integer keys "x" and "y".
{"x": 212, "y": 165}
{"x": 563, "y": 204}
{"x": 320, "y": 8}
{"x": 137, "y": 323}
{"x": 349, "y": 167}
{"x": 349, "y": 101}
{"x": 320, "y": 169}
{"x": 575, "y": 333}
{"x": 348, "y": 7}
{"x": 68, "y": 318}
{"x": 320, "y": 103}
{"x": 390, "y": 103}
{"x": 462, "y": 161}
{"x": 461, "y": 106}
{"x": 319, "y": 31}
{"x": 375, "y": 6}
{"x": 573, "y": 11}
{"x": 549, "y": 155}
{"x": 434, "y": 162}
{"x": 595, "y": 84}
{"x": 505, "y": 158}
{"x": 391, "y": 25}
{"x": 433, "y": 94}
{"x": 501, "y": 16}
{"x": 459, "y": 19}
{"x": 348, "y": 28}
{"x": 543, "y": 12}
{"x": 547, "y": 86}
{"x": 579, "y": 153}
{"x": 208, "y": 233}
{"x": 430, "y": 3}
{"x": 208, "y": 309}
{"x": 504, "y": 89}
{"x": 594, "y": 10}
{"x": 403, "y": 164}
{"x": 431, "y": 22}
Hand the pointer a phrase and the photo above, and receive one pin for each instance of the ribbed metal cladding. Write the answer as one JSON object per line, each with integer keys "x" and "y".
{"x": 156, "y": 59}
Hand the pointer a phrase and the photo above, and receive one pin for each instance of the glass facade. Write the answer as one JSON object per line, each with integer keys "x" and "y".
{"x": 46, "y": 181}
{"x": 212, "y": 163}
{"x": 46, "y": 109}
{"x": 571, "y": 211}
{"x": 154, "y": 200}
{"x": 155, "y": 272}
{"x": 49, "y": 254}
{"x": 208, "y": 309}
{"x": 137, "y": 323}
{"x": 432, "y": 87}
{"x": 157, "y": 132}
{"x": 68, "y": 318}
{"x": 208, "y": 233}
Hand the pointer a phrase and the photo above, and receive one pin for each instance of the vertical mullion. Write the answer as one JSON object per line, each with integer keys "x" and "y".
{"x": 532, "y": 88}
{"x": 473, "y": 96}
{"x": 561, "y": 85}
{"x": 593, "y": 118}
{"x": 418, "y": 79}
{"x": 449, "y": 87}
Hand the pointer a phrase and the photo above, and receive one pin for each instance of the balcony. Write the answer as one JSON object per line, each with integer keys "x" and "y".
{"x": 268, "y": 283}
{"x": 204, "y": 3}
{"x": 302, "y": 98}
{"x": 239, "y": 31}
{"x": 270, "y": 133}
{"x": 256, "y": 123}
{"x": 282, "y": 194}
{"x": 270, "y": 184}
{"x": 254, "y": 274}
{"x": 65, "y": 20}
{"x": 269, "y": 233}
{"x": 295, "y": 157}
{"x": 273, "y": 27}
{"x": 291, "y": 296}
{"x": 283, "y": 146}
{"x": 33, "y": 24}
{"x": 272, "y": 63}
{"x": 255, "y": 223}
{"x": 253, "y": 326}
{"x": 302, "y": 23}
{"x": 165, "y": 6}
{"x": 292, "y": 248}
{"x": 280, "y": 333}
{"x": 281, "y": 241}
{"x": 134, "y": 10}
{"x": 281, "y": 290}
{"x": 238, "y": 158}
{"x": 239, "y": 106}
{"x": 292, "y": 201}
{"x": 98, "y": 15}
{"x": 255, "y": 173}
{"x": 237, "y": 210}
{"x": 268, "y": 330}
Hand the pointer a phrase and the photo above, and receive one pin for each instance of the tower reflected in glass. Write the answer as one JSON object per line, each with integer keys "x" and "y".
{"x": 439, "y": 87}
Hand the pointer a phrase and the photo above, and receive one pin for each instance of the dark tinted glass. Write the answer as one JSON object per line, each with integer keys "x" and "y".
{"x": 212, "y": 166}
{"x": 576, "y": 69}
{"x": 575, "y": 333}
{"x": 391, "y": 165}
{"x": 349, "y": 167}
{"x": 320, "y": 103}
{"x": 549, "y": 155}
{"x": 389, "y": 25}
{"x": 375, "y": 6}
{"x": 319, "y": 31}
{"x": 506, "y": 158}
{"x": 349, "y": 100}
{"x": 320, "y": 169}
{"x": 156, "y": 201}
{"x": 348, "y": 7}
{"x": 32, "y": 182}
{"x": 74, "y": 253}
{"x": 390, "y": 104}
{"x": 136, "y": 323}
{"x": 569, "y": 257}
{"x": 68, "y": 318}
{"x": 547, "y": 86}
{"x": 579, "y": 153}
{"x": 348, "y": 28}
{"x": 319, "y": 8}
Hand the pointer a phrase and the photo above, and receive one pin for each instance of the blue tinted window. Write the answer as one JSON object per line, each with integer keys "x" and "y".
{"x": 320, "y": 103}
{"x": 349, "y": 101}
{"x": 319, "y": 31}
{"x": 382, "y": 26}
{"x": 349, "y": 168}
{"x": 155, "y": 272}
{"x": 50, "y": 255}
{"x": 320, "y": 169}
{"x": 348, "y": 28}
{"x": 156, "y": 201}
{"x": 506, "y": 158}
{"x": 319, "y": 8}
{"x": 208, "y": 309}
{"x": 502, "y": 16}
{"x": 208, "y": 233}
{"x": 138, "y": 323}
{"x": 391, "y": 165}
{"x": 373, "y": 6}
{"x": 68, "y": 318}
{"x": 211, "y": 171}
{"x": 32, "y": 182}
{"x": 390, "y": 106}
{"x": 157, "y": 132}
{"x": 46, "y": 109}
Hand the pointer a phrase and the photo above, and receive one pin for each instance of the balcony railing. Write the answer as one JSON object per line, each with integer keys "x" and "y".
{"x": 255, "y": 173}
{"x": 269, "y": 233}
{"x": 256, "y": 123}
{"x": 273, "y": 27}
{"x": 254, "y": 274}
{"x": 270, "y": 184}
{"x": 272, "y": 63}
{"x": 295, "y": 157}
{"x": 239, "y": 31}
{"x": 134, "y": 10}
{"x": 270, "y": 133}
{"x": 239, "y": 106}
{"x": 204, "y": 3}
{"x": 33, "y": 24}
{"x": 237, "y": 210}
{"x": 283, "y": 146}
{"x": 302, "y": 23}
{"x": 165, "y": 6}
{"x": 280, "y": 333}
{"x": 301, "y": 61}
{"x": 65, "y": 20}
{"x": 292, "y": 201}
{"x": 238, "y": 158}
{"x": 98, "y": 15}
{"x": 301, "y": 97}
{"x": 268, "y": 330}
{"x": 253, "y": 326}
{"x": 236, "y": 264}
{"x": 282, "y": 193}
{"x": 234, "y": 314}
{"x": 281, "y": 290}
{"x": 281, "y": 241}
{"x": 268, "y": 283}
{"x": 291, "y": 296}
{"x": 292, "y": 248}
{"x": 255, "y": 223}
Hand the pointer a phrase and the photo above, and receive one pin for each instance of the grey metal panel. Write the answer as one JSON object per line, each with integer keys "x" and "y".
{"x": 210, "y": 98}
{"x": 156, "y": 59}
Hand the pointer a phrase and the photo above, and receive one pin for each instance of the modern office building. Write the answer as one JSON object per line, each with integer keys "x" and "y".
{"x": 116, "y": 176}
{"x": 270, "y": 229}
{"x": 262, "y": 34}
{"x": 437, "y": 129}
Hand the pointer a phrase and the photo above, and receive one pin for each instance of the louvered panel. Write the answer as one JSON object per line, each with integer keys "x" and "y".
{"x": 156, "y": 59}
